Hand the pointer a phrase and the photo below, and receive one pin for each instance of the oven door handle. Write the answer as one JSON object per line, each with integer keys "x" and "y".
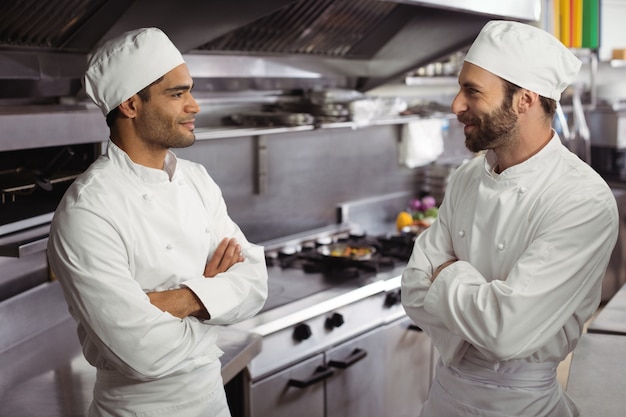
{"x": 25, "y": 243}
{"x": 415, "y": 328}
{"x": 356, "y": 355}
{"x": 320, "y": 374}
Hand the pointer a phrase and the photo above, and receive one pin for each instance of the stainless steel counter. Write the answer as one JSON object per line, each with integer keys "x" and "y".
{"x": 595, "y": 381}
{"x": 46, "y": 375}
{"x": 239, "y": 348}
{"x": 612, "y": 318}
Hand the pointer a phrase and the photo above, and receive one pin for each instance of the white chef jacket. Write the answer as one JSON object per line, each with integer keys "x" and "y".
{"x": 122, "y": 230}
{"x": 532, "y": 244}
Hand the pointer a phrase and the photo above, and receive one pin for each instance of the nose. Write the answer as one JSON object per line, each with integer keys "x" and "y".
{"x": 458, "y": 104}
{"x": 192, "y": 105}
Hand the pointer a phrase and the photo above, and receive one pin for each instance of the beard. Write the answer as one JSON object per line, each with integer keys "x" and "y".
{"x": 492, "y": 130}
{"x": 159, "y": 132}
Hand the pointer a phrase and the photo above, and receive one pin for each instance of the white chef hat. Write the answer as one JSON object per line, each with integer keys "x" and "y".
{"x": 526, "y": 56}
{"x": 125, "y": 65}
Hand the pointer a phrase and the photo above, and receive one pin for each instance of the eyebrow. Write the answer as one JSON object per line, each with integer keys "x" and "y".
{"x": 469, "y": 84}
{"x": 184, "y": 87}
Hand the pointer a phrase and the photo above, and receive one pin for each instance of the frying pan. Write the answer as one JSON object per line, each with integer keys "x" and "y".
{"x": 347, "y": 252}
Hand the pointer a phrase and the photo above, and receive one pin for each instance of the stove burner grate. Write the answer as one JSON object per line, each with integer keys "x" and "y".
{"x": 389, "y": 251}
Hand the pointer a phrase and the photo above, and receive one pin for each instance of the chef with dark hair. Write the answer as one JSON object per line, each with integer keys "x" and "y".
{"x": 512, "y": 268}
{"x": 149, "y": 261}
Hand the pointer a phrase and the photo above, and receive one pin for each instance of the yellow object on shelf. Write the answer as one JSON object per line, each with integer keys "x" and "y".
{"x": 403, "y": 219}
{"x": 565, "y": 22}
{"x": 576, "y": 23}
{"x": 553, "y": 13}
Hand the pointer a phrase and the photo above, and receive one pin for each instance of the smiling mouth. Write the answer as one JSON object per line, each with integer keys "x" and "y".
{"x": 468, "y": 123}
{"x": 189, "y": 124}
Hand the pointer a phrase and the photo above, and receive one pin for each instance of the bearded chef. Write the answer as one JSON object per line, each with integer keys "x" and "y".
{"x": 148, "y": 259}
{"x": 505, "y": 279}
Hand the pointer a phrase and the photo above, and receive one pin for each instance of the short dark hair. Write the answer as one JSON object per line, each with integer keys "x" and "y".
{"x": 547, "y": 104}
{"x": 144, "y": 95}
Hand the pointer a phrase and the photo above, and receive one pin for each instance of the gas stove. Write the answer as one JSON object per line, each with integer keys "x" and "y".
{"x": 308, "y": 290}
{"x": 298, "y": 268}
{"x": 335, "y": 325}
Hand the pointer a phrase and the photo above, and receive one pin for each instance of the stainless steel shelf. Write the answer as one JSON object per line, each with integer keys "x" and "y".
{"x": 212, "y": 133}
{"x": 432, "y": 81}
{"x": 235, "y": 132}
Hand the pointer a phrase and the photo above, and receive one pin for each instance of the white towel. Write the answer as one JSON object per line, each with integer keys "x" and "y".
{"x": 421, "y": 142}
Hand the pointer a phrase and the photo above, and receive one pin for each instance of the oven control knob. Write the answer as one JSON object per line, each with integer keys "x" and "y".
{"x": 302, "y": 332}
{"x": 336, "y": 320}
{"x": 392, "y": 299}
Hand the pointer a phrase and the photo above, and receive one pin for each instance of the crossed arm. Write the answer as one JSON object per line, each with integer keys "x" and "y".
{"x": 441, "y": 267}
{"x": 183, "y": 302}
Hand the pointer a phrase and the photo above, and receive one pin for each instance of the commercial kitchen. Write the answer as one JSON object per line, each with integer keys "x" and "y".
{"x": 320, "y": 121}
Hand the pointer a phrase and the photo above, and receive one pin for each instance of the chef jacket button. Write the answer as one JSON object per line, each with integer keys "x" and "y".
{"x": 500, "y": 247}
{"x": 207, "y": 230}
{"x": 522, "y": 190}
{"x": 461, "y": 233}
{"x": 169, "y": 246}
{"x": 147, "y": 197}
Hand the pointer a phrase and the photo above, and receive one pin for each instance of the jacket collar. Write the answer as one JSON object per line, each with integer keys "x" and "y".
{"x": 146, "y": 174}
{"x": 534, "y": 163}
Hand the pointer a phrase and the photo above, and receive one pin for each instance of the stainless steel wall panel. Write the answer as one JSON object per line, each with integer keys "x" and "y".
{"x": 308, "y": 173}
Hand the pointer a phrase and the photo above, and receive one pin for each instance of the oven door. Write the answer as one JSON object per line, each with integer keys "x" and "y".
{"x": 295, "y": 391}
{"x": 357, "y": 387}
{"x": 408, "y": 368}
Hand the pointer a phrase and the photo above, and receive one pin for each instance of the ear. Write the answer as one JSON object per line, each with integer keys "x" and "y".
{"x": 526, "y": 100}
{"x": 129, "y": 107}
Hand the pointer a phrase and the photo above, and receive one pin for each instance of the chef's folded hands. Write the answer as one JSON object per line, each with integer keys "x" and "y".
{"x": 227, "y": 254}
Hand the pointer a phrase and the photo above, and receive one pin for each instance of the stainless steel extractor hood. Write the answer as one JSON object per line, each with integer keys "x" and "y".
{"x": 246, "y": 44}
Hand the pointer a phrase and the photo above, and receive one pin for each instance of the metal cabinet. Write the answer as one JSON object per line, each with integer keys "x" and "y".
{"x": 356, "y": 389}
{"x": 384, "y": 372}
{"x": 408, "y": 368}
{"x": 295, "y": 391}
{"x": 345, "y": 381}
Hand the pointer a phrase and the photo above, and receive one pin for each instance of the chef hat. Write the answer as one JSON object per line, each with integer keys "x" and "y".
{"x": 526, "y": 56}
{"x": 125, "y": 65}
